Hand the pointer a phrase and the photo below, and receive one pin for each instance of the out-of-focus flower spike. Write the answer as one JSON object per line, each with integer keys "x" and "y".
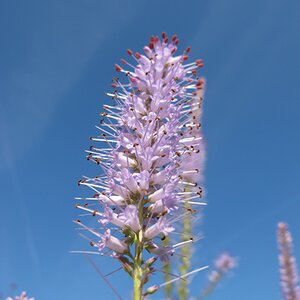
{"x": 288, "y": 269}
{"x": 192, "y": 172}
{"x": 223, "y": 264}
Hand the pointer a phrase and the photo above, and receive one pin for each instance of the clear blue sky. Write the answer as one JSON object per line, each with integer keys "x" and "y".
{"x": 56, "y": 62}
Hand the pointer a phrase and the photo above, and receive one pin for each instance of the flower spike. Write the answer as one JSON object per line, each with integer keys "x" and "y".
{"x": 288, "y": 269}
{"x": 151, "y": 143}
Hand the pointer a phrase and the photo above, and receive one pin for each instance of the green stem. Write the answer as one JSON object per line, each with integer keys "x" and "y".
{"x": 167, "y": 271}
{"x": 183, "y": 289}
{"x": 137, "y": 268}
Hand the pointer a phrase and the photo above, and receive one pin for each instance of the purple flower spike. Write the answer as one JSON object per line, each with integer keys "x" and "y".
{"x": 288, "y": 269}
{"x": 151, "y": 156}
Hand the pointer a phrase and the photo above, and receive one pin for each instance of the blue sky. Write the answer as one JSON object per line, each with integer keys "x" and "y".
{"x": 56, "y": 62}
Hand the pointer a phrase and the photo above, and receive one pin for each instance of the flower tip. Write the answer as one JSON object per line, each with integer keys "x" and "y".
{"x": 151, "y": 290}
{"x": 282, "y": 225}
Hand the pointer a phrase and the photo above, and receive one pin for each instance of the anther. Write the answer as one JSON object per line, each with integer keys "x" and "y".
{"x": 124, "y": 61}
{"x": 118, "y": 68}
{"x": 199, "y": 63}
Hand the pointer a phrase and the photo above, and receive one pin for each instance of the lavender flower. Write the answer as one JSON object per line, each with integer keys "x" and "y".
{"x": 23, "y": 296}
{"x": 223, "y": 264}
{"x": 288, "y": 269}
{"x": 148, "y": 147}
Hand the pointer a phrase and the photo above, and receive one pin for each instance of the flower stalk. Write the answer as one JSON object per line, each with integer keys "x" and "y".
{"x": 137, "y": 269}
{"x": 183, "y": 289}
